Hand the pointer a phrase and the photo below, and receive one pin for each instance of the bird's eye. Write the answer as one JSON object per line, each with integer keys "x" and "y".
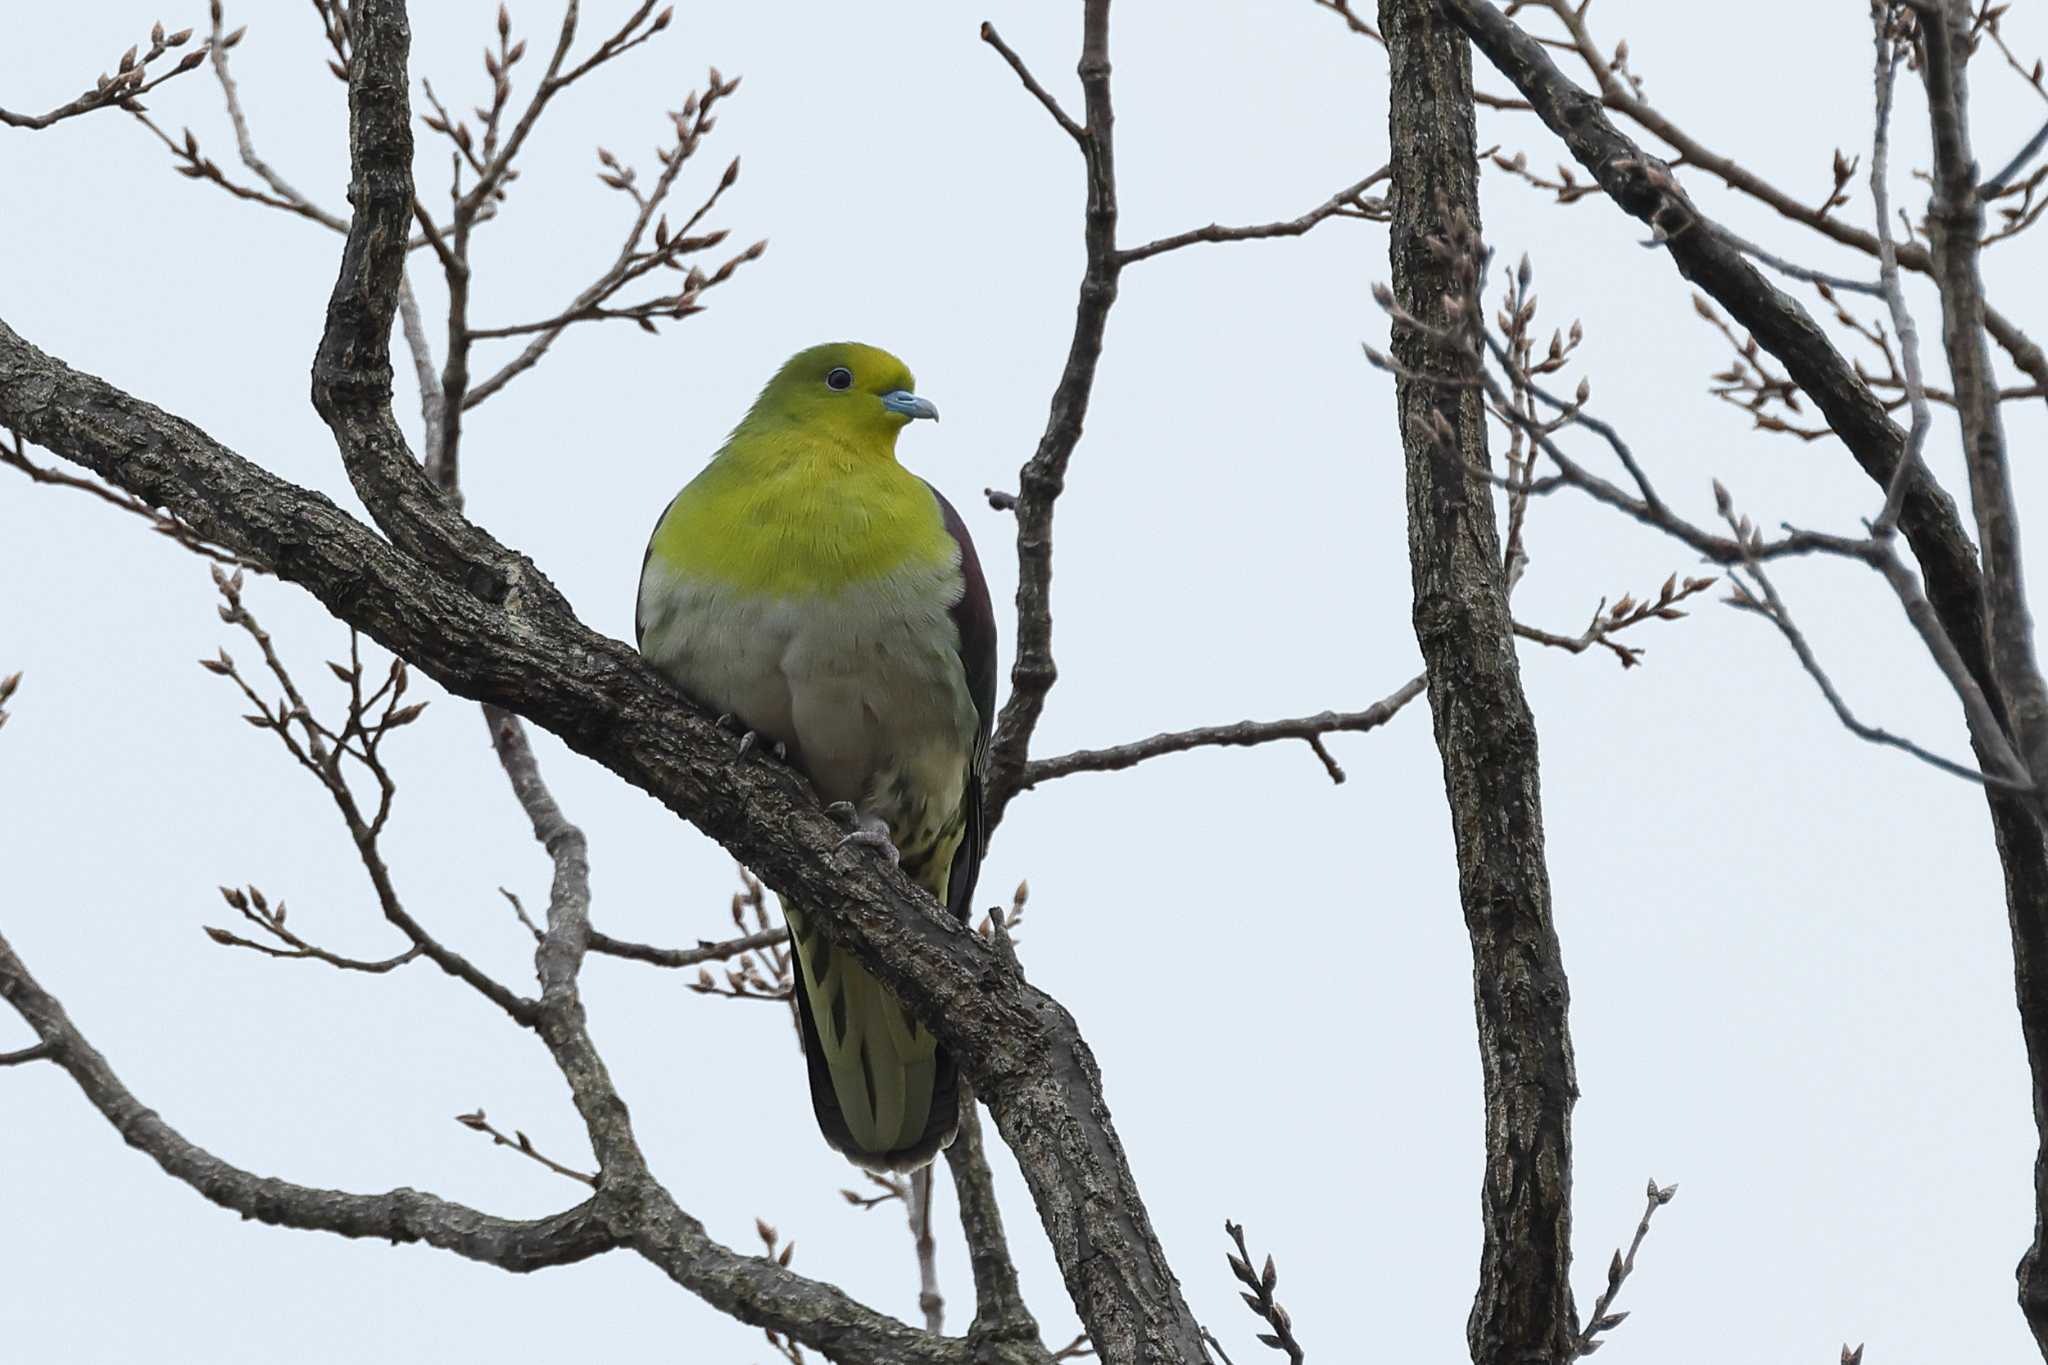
{"x": 839, "y": 377}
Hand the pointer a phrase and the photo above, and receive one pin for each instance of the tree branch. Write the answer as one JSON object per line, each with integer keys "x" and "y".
{"x": 1000, "y": 1312}
{"x": 1043, "y": 477}
{"x": 1955, "y": 222}
{"x": 1522, "y": 1309}
{"x": 1618, "y": 96}
{"x": 514, "y": 650}
{"x": 488, "y": 626}
{"x": 1243, "y": 734}
{"x": 397, "y": 1216}
{"x": 1347, "y": 202}
{"x": 126, "y": 86}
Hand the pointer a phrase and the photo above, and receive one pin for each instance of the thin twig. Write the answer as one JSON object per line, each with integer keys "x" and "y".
{"x": 1764, "y": 600}
{"x": 1618, "y": 1271}
{"x": 125, "y": 87}
{"x": 1258, "y": 1296}
{"x": 686, "y": 957}
{"x": 1038, "y": 92}
{"x": 1347, "y": 202}
{"x": 163, "y": 523}
{"x": 918, "y": 1212}
{"x": 255, "y": 908}
{"x": 1043, "y": 477}
{"x": 1894, "y": 296}
{"x": 1242, "y": 734}
{"x": 321, "y": 750}
{"x": 520, "y": 1143}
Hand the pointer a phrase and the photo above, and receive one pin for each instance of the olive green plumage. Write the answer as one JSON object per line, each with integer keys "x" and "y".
{"x": 810, "y": 586}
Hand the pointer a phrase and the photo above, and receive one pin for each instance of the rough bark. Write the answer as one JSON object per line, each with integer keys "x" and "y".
{"x": 1523, "y": 1310}
{"x": 1642, "y": 186}
{"x": 1955, "y": 225}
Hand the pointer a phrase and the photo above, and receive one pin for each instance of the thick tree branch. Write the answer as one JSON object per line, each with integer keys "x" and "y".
{"x": 1000, "y": 1312}
{"x": 1955, "y": 223}
{"x": 352, "y": 371}
{"x": 1522, "y": 1311}
{"x": 486, "y": 625}
{"x": 1953, "y": 587}
{"x": 1617, "y": 95}
{"x": 641, "y": 1215}
{"x": 515, "y": 650}
{"x": 397, "y": 1216}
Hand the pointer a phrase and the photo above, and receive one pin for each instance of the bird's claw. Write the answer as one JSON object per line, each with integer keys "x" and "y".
{"x": 749, "y": 739}
{"x": 869, "y": 831}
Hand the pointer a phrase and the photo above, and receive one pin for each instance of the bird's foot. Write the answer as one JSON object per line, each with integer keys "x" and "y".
{"x": 748, "y": 739}
{"x": 868, "y": 831}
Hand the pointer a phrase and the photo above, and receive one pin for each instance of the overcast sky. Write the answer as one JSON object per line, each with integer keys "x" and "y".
{"x": 1791, "y": 978}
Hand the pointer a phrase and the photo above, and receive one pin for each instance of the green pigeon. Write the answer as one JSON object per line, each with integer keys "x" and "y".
{"x": 812, "y": 588}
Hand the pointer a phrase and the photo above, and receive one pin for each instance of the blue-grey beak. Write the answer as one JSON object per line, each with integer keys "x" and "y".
{"x": 909, "y": 404}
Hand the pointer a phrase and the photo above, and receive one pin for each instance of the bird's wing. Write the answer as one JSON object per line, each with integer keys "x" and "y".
{"x": 975, "y": 620}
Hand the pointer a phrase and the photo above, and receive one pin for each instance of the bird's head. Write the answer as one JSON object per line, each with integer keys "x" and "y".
{"x": 860, "y": 394}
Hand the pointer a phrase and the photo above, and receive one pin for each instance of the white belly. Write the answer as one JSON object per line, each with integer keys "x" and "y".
{"x": 864, "y": 687}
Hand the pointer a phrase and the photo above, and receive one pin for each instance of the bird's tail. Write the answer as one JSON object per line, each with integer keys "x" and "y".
{"x": 885, "y": 1092}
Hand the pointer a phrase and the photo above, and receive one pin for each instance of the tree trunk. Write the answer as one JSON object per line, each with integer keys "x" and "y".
{"x": 1523, "y": 1309}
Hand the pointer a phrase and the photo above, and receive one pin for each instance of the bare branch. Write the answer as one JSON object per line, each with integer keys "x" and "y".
{"x": 1347, "y": 202}
{"x": 1624, "y": 98}
{"x": 485, "y": 622}
{"x": 321, "y": 750}
{"x": 131, "y": 80}
{"x": 1242, "y": 734}
{"x": 1998, "y": 183}
{"x": 1038, "y": 92}
{"x": 1485, "y": 736}
{"x": 257, "y": 910}
{"x": 670, "y": 250}
{"x": 687, "y": 957}
{"x": 1607, "y": 621}
{"x": 1258, "y": 1296}
{"x": 1888, "y": 282}
{"x": 1000, "y": 1312}
{"x": 397, "y": 1216}
{"x": 918, "y": 1212}
{"x": 476, "y": 1122}
{"x": 1618, "y": 1271}
{"x": 160, "y": 522}
{"x": 1763, "y": 599}
{"x": 1955, "y": 228}
{"x": 1043, "y": 476}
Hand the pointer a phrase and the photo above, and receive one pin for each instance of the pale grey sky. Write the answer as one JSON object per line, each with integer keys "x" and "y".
{"x": 1791, "y": 978}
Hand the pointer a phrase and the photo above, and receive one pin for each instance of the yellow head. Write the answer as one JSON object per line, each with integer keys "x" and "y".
{"x": 860, "y": 396}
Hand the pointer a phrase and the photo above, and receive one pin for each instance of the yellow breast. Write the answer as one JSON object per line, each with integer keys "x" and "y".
{"x": 785, "y": 514}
